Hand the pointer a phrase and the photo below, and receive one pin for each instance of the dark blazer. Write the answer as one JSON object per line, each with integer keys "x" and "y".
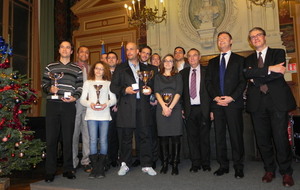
{"x": 234, "y": 80}
{"x": 122, "y": 78}
{"x": 279, "y": 91}
{"x": 204, "y": 98}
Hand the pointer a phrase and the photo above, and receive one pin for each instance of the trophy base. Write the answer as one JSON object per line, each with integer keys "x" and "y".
{"x": 98, "y": 106}
{"x": 54, "y": 97}
{"x": 146, "y": 90}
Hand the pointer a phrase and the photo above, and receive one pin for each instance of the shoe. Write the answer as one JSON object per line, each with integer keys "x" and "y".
{"x": 49, "y": 178}
{"x": 114, "y": 164}
{"x": 206, "y": 168}
{"x": 87, "y": 168}
{"x": 194, "y": 169}
{"x": 123, "y": 169}
{"x": 69, "y": 175}
{"x": 239, "y": 173}
{"x": 287, "y": 180}
{"x": 268, "y": 177}
{"x": 149, "y": 171}
{"x": 221, "y": 171}
{"x": 136, "y": 163}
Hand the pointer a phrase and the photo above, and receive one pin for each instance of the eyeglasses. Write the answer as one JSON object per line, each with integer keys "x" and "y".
{"x": 256, "y": 36}
{"x": 168, "y": 61}
{"x": 99, "y": 69}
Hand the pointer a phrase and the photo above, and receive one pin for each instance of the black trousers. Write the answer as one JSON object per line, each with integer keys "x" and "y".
{"x": 143, "y": 133}
{"x": 113, "y": 142}
{"x": 198, "y": 132}
{"x": 231, "y": 118}
{"x": 60, "y": 120}
{"x": 154, "y": 137}
{"x": 270, "y": 123}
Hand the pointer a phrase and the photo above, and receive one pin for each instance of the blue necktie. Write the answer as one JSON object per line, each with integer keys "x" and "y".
{"x": 222, "y": 73}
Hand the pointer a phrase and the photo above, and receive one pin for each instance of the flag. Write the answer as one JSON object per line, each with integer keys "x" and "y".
{"x": 123, "y": 55}
{"x": 103, "y": 48}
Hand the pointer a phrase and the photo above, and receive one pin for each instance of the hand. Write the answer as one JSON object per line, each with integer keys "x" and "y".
{"x": 115, "y": 108}
{"x": 279, "y": 68}
{"x": 54, "y": 89}
{"x": 70, "y": 99}
{"x": 153, "y": 103}
{"x": 211, "y": 114}
{"x": 129, "y": 90}
{"x": 221, "y": 100}
{"x": 166, "y": 111}
{"x": 103, "y": 106}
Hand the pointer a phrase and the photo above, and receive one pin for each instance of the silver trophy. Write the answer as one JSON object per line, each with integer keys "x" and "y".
{"x": 55, "y": 77}
{"x": 98, "y": 88}
{"x": 145, "y": 76}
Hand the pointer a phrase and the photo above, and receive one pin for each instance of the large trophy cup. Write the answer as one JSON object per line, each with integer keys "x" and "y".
{"x": 145, "y": 76}
{"x": 55, "y": 77}
{"x": 98, "y": 88}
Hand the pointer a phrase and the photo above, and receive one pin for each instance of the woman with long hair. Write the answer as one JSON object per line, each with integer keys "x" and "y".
{"x": 98, "y": 98}
{"x": 168, "y": 89}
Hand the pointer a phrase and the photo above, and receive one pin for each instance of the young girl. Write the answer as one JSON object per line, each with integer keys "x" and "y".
{"x": 97, "y": 97}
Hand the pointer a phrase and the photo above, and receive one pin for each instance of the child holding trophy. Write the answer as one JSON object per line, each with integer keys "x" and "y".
{"x": 97, "y": 97}
{"x": 168, "y": 89}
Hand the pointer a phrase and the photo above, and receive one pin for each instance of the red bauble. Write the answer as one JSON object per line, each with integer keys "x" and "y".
{"x": 8, "y": 136}
{"x": 12, "y": 155}
{"x": 20, "y": 111}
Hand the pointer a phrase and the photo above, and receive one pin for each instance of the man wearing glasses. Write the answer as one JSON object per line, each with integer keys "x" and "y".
{"x": 269, "y": 99}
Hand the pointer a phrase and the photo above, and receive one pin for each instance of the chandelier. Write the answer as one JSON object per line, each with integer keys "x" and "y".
{"x": 137, "y": 16}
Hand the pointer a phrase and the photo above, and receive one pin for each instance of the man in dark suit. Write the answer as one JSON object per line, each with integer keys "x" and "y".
{"x": 144, "y": 56}
{"x": 269, "y": 99}
{"x": 133, "y": 110}
{"x": 196, "y": 112}
{"x": 179, "y": 53}
{"x": 225, "y": 84}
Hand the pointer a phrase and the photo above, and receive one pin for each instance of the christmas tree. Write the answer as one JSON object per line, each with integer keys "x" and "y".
{"x": 18, "y": 148}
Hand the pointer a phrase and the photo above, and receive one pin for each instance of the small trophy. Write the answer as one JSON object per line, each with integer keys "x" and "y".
{"x": 167, "y": 98}
{"x": 55, "y": 77}
{"x": 145, "y": 76}
{"x": 98, "y": 88}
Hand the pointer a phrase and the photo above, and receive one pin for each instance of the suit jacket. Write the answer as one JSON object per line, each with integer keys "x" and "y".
{"x": 234, "y": 80}
{"x": 279, "y": 91}
{"x": 122, "y": 78}
{"x": 204, "y": 98}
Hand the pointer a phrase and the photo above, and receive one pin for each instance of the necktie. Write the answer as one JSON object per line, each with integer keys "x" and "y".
{"x": 193, "y": 92}
{"x": 260, "y": 64}
{"x": 222, "y": 73}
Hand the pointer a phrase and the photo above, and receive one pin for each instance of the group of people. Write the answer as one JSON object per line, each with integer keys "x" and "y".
{"x": 115, "y": 106}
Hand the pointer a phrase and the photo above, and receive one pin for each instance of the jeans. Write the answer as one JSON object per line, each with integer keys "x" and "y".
{"x": 98, "y": 129}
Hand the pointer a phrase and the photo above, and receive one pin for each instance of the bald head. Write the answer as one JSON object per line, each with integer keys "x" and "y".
{"x": 132, "y": 52}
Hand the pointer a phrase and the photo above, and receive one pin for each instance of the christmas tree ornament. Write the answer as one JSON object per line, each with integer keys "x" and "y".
{"x": 17, "y": 101}
{"x": 21, "y": 154}
{"x": 4, "y": 139}
{"x": 44, "y": 155}
{"x": 12, "y": 155}
{"x": 34, "y": 166}
{"x": 8, "y": 136}
{"x": 21, "y": 142}
{"x": 15, "y": 76}
{"x": 17, "y": 144}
